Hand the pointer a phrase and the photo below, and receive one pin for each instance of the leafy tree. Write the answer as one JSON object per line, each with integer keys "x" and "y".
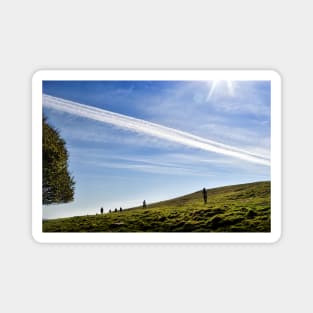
{"x": 57, "y": 184}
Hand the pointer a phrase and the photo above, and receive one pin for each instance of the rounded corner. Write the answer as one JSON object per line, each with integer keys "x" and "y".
{"x": 275, "y": 74}
{"x": 36, "y": 237}
{"x": 37, "y": 75}
{"x": 276, "y": 237}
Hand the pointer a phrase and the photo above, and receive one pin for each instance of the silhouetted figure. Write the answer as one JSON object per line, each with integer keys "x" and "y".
{"x": 144, "y": 205}
{"x": 101, "y": 210}
{"x": 115, "y": 210}
{"x": 110, "y": 211}
{"x": 205, "y": 195}
{"x": 121, "y": 209}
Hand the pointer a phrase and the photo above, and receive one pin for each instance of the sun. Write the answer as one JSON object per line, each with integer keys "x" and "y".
{"x": 222, "y": 85}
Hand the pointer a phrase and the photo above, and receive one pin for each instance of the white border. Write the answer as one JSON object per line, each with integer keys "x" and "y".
{"x": 42, "y": 75}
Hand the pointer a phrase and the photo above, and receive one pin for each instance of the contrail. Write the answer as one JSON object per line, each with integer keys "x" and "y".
{"x": 149, "y": 128}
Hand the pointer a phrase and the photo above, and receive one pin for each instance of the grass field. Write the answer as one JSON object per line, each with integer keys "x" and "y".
{"x": 238, "y": 208}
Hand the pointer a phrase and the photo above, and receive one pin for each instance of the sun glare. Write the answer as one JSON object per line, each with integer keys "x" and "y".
{"x": 222, "y": 85}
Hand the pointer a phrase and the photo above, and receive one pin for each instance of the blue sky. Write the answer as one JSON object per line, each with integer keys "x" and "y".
{"x": 116, "y": 167}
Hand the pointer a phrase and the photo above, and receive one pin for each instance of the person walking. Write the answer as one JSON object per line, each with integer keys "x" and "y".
{"x": 205, "y": 195}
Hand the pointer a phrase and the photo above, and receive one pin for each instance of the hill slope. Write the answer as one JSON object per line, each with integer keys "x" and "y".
{"x": 238, "y": 208}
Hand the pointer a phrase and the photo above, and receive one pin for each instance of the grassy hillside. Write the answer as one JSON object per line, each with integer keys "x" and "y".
{"x": 238, "y": 208}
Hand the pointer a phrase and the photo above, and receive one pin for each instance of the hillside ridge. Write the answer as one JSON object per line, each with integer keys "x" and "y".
{"x": 235, "y": 208}
{"x": 209, "y": 190}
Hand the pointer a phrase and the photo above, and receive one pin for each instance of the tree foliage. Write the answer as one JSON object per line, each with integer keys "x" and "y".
{"x": 57, "y": 184}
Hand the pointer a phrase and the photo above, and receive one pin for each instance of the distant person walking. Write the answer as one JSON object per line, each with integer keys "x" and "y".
{"x": 205, "y": 195}
{"x": 101, "y": 210}
{"x": 144, "y": 205}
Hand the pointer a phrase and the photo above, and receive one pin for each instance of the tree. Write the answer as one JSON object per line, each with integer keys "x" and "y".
{"x": 57, "y": 184}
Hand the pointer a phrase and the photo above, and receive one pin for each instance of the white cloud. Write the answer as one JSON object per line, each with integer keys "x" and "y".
{"x": 152, "y": 129}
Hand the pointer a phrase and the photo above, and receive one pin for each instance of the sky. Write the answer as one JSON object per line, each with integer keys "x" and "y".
{"x": 152, "y": 140}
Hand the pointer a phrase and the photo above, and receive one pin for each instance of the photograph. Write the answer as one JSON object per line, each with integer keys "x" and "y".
{"x": 156, "y": 152}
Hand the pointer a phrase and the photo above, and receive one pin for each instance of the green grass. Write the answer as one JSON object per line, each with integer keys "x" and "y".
{"x": 238, "y": 208}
